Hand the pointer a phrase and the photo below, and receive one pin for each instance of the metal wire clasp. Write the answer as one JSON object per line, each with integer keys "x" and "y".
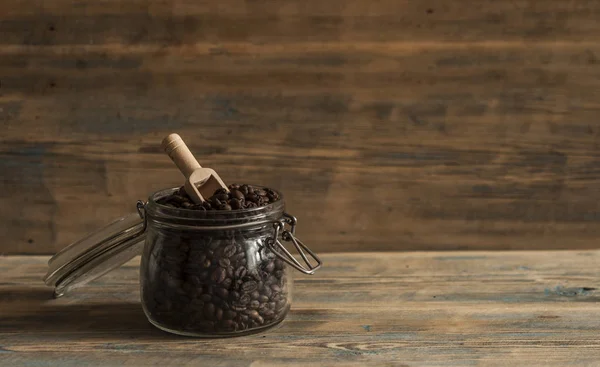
{"x": 289, "y": 235}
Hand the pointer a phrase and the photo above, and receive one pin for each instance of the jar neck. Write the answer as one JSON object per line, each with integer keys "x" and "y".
{"x": 211, "y": 219}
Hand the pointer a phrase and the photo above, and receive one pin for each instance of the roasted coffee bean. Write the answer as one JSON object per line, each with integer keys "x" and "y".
{"x": 224, "y": 262}
{"x": 249, "y": 286}
{"x": 219, "y": 275}
{"x": 279, "y": 264}
{"x": 245, "y": 189}
{"x": 238, "y": 307}
{"x": 255, "y": 295}
{"x": 270, "y": 266}
{"x": 235, "y": 204}
{"x": 240, "y": 272}
{"x": 267, "y": 313}
{"x": 238, "y": 257}
{"x": 236, "y": 194}
{"x": 275, "y": 288}
{"x": 206, "y": 297}
{"x": 281, "y": 304}
{"x": 263, "y": 298}
{"x": 229, "y": 251}
{"x": 228, "y": 324}
{"x": 226, "y": 283}
{"x": 252, "y": 198}
{"x": 222, "y": 292}
{"x": 254, "y": 304}
{"x": 222, "y": 197}
{"x": 219, "y": 314}
{"x": 245, "y": 299}
{"x": 267, "y": 291}
{"x": 209, "y": 310}
{"x": 229, "y": 314}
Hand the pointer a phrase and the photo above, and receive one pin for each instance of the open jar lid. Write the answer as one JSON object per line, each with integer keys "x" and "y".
{"x": 98, "y": 253}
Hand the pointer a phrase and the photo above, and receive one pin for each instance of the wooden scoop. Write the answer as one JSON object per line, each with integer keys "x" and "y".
{"x": 200, "y": 183}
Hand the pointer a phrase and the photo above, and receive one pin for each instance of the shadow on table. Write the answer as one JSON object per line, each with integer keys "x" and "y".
{"x": 24, "y": 310}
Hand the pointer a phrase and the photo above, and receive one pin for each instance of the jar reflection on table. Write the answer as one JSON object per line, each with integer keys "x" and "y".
{"x": 223, "y": 281}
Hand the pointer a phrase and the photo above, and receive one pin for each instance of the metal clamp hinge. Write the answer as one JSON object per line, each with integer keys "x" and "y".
{"x": 289, "y": 236}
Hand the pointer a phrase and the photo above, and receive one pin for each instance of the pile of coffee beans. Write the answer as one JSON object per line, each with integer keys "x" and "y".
{"x": 238, "y": 197}
{"x": 214, "y": 282}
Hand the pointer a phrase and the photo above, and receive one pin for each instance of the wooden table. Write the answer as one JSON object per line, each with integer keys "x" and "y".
{"x": 438, "y": 308}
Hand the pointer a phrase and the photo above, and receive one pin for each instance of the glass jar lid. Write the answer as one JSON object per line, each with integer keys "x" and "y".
{"x": 98, "y": 253}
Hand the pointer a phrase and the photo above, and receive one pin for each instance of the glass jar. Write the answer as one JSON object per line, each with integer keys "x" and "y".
{"x": 211, "y": 273}
{"x": 203, "y": 273}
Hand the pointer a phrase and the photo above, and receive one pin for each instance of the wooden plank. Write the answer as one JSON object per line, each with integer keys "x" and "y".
{"x": 186, "y": 21}
{"x": 476, "y": 119}
{"x": 432, "y": 309}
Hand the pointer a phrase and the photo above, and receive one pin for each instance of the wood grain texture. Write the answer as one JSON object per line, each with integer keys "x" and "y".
{"x": 388, "y": 125}
{"x": 375, "y": 309}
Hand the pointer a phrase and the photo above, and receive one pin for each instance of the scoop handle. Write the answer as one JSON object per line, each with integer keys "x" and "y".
{"x": 180, "y": 154}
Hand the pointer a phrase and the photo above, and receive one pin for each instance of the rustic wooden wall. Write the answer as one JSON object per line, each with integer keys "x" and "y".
{"x": 389, "y": 124}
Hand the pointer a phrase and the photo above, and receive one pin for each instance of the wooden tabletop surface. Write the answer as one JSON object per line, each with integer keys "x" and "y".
{"x": 433, "y": 309}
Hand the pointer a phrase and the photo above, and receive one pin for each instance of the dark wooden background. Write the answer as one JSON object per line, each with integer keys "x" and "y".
{"x": 389, "y": 125}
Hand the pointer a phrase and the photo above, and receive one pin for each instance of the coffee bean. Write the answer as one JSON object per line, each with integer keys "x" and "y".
{"x": 222, "y": 292}
{"x": 237, "y": 194}
{"x": 245, "y": 189}
{"x": 219, "y": 275}
{"x": 255, "y": 294}
{"x": 229, "y": 314}
{"x": 209, "y": 310}
{"x": 221, "y": 191}
{"x": 254, "y": 304}
{"x": 240, "y": 272}
{"x": 249, "y": 286}
{"x": 238, "y": 307}
{"x": 275, "y": 288}
{"x": 263, "y": 298}
{"x": 206, "y": 297}
{"x": 227, "y": 283}
{"x": 267, "y": 313}
{"x": 229, "y": 250}
{"x": 228, "y": 324}
{"x": 267, "y": 291}
{"x": 281, "y": 304}
{"x": 279, "y": 264}
{"x": 270, "y": 267}
{"x": 219, "y": 314}
{"x": 224, "y": 262}
{"x": 244, "y": 299}
{"x": 235, "y": 204}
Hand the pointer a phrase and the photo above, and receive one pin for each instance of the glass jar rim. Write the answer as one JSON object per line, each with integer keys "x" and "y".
{"x": 163, "y": 214}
